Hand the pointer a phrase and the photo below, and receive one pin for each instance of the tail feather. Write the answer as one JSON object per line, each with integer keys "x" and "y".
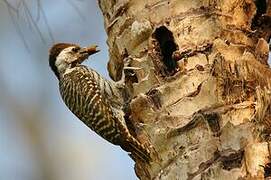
{"x": 137, "y": 149}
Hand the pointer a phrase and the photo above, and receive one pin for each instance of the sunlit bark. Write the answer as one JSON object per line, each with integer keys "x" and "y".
{"x": 199, "y": 84}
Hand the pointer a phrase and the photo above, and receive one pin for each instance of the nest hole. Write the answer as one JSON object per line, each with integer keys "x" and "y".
{"x": 167, "y": 47}
{"x": 261, "y": 6}
{"x": 267, "y": 170}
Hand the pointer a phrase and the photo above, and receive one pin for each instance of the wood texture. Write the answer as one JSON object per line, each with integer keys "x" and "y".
{"x": 199, "y": 84}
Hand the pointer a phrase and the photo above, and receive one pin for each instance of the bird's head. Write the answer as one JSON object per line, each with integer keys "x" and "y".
{"x": 64, "y": 55}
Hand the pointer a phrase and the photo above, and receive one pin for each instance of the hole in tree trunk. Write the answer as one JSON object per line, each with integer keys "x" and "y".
{"x": 267, "y": 170}
{"x": 261, "y": 10}
{"x": 261, "y": 6}
{"x": 167, "y": 47}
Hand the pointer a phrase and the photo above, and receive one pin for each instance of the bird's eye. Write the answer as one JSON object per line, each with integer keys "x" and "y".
{"x": 75, "y": 49}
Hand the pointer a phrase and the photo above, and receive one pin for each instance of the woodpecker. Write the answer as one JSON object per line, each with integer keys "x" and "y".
{"x": 97, "y": 102}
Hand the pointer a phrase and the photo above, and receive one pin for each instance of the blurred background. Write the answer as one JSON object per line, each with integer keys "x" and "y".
{"x": 40, "y": 139}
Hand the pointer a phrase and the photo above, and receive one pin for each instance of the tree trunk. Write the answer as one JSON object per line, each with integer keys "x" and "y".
{"x": 199, "y": 84}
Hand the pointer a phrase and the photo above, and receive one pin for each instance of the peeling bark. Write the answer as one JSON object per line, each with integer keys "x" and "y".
{"x": 198, "y": 83}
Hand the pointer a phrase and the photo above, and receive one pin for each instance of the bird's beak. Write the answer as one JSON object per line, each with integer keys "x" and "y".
{"x": 85, "y": 53}
{"x": 90, "y": 50}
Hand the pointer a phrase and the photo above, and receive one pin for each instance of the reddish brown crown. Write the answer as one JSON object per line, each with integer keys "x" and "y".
{"x": 57, "y": 48}
{"x": 81, "y": 53}
{"x": 54, "y": 52}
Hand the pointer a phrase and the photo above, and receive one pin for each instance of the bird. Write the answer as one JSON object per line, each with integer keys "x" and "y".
{"x": 96, "y": 101}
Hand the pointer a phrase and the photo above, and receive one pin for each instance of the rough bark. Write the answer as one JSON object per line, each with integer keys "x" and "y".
{"x": 199, "y": 84}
